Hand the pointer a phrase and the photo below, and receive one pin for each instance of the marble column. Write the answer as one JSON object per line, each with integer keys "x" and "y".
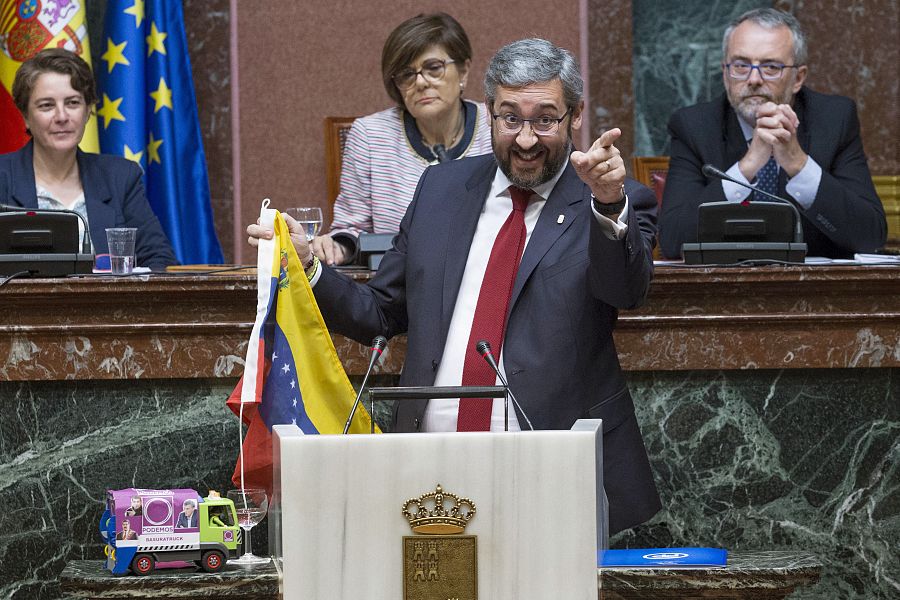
{"x": 610, "y": 73}
{"x": 853, "y": 51}
{"x": 207, "y": 24}
{"x": 676, "y": 62}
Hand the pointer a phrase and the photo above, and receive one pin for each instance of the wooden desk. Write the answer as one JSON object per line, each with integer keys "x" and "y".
{"x": 813, "y": 317}
{"x": 184, "y": 326}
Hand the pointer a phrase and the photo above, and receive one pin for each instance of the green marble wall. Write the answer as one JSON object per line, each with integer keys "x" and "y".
{"x": 63, "y": 444}
{"x": 677, "y": 53}
{"x": 803, "y": 460}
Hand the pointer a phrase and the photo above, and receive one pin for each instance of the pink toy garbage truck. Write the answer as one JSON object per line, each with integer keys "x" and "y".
{"x": 143, "y": 527}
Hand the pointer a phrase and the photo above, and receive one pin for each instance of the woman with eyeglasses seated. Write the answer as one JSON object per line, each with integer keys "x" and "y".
{"x": 54, "y": 90}
{"x": 424, "y": 65}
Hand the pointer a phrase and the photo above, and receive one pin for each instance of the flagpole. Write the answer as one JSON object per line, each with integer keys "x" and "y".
{"x": 241, "y": 442}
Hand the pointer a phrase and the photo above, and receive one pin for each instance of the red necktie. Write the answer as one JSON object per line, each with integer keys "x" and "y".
{"x": 489, "y": 322}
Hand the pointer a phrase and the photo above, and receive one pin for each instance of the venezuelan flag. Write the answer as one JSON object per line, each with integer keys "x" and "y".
{"x": 26, "y": 28}
{"x": 292, "y": 373}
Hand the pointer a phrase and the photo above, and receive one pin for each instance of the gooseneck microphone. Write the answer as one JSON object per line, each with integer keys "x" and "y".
{"x": 378, "y": 346}
{"x": 714, "y": 173}
{"x": 440, "y": 153}
{"x": 85, "y": 239}
{"x": 483, "y": 347}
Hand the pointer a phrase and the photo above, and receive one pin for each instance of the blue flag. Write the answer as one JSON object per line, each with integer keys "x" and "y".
{"x": 148, "y": 114}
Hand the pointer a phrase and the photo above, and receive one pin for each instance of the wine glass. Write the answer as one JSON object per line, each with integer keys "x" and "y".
{"x": 251, "y": 505}
{"x": 310, "y": 218}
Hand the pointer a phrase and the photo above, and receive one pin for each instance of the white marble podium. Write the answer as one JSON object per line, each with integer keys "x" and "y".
{"x": 336, "y": 525}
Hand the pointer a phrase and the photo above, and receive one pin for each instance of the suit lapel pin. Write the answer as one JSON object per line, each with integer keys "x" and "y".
{"x": 560, "y": 219}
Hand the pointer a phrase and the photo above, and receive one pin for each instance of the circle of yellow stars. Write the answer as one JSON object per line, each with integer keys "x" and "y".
{"x": 161, "y": 96}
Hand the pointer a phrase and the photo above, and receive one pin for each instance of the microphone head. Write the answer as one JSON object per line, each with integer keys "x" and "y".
{"x": 483, "y": 347}
{"x": 379, "y": 343}
{"x": 441, "y": 153}
{"x": 710, "y": 171}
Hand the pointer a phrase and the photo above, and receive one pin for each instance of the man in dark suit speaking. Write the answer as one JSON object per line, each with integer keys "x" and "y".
{"x": 535, "y": 256}
{"x": 771, "y": 131}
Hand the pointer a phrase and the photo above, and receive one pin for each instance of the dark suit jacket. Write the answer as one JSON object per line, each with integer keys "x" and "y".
{"x": 184, "y": 522}
{"x": 559, "y": 355}
{"x": 113, "y": 194}
{"x": 846, "y": 216}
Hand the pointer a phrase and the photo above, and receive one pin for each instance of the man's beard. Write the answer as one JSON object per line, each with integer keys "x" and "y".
{"x": 751, "y": 99}
{"x": 553, "y": 162}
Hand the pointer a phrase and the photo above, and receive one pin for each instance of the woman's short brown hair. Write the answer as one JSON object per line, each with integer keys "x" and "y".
{"x": 53, "y": 60}
{"x": 412, "y": 37}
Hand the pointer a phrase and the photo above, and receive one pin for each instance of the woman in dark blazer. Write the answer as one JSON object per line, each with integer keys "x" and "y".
{"x": 54, "y": 91}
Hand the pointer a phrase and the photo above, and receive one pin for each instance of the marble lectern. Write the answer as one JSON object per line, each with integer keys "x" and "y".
{"x": 336, "y": 522}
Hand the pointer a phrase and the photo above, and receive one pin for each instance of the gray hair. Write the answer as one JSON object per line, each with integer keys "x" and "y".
{"x": 531, "y": 61}
{"x": 770, "y": 18}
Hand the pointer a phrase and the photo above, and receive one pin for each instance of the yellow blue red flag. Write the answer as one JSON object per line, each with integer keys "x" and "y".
{"x": 148, "y": 113}
{"x": 292, "y": 373}
{"x": 26, "y": 28}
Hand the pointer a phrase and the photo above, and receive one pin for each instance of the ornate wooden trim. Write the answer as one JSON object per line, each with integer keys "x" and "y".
{"x": 644, "y": 167}
{"x": 186, "y": 327}
{"x": 336, "y": 130}
{"x": 888, "y": 189}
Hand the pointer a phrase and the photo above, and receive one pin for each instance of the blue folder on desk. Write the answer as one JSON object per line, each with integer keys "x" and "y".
{"x": 663, "y": 558}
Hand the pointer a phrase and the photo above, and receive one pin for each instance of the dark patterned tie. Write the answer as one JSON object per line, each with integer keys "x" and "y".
{"x": 767, "y": 180}
{"x": 489, "y": 321}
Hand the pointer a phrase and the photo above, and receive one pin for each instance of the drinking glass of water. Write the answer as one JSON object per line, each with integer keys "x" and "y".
{"x": 310, "y": 218}
{"x": 251, "y": 505}
{"x": 121, "y": 249}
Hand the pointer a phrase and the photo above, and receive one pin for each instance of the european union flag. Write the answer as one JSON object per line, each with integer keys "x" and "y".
{"x": 148, "y": 114}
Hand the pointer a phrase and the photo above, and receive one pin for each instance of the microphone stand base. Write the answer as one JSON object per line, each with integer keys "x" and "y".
{"x": 47, "y": 265}
{"x": 728, "y": 253}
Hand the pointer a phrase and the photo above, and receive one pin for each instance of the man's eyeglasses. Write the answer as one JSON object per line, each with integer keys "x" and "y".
{"x": 768, "y": 70}
{"x": 511, "y": 123}
{"x": 433, "y": 71}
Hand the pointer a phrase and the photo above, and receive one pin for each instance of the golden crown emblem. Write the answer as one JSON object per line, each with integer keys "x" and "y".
{"x": 439, "y": 512}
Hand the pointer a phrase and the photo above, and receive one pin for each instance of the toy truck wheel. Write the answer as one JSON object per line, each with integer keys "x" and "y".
{"x": 213, "y": 561}
{"x": 143, "y": 564}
